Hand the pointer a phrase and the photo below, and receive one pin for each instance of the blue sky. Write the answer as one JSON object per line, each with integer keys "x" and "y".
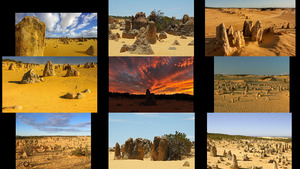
{"x": 54, "y": 60}
{"x": 122, "y": 126}
{"x": 65, "y": 24}
{"x": 251, "y": 3}
{"x": 65, "y": 124}
{"x": 250, "y": 124}
{"x": 170, "y": 8}
{"x": 252, "y": 65}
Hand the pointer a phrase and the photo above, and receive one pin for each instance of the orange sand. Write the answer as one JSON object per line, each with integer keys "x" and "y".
{"x": 279, "y": 100}
{"x": 60, "y": 159}
{"x": 46, "y": 96}
{"x": 71, "y": 49}
{"x": 148, "y": 164}
{"x": 283, "y": 45}
{"x": 254, "y": 160}
{"x": 159, "y": 48}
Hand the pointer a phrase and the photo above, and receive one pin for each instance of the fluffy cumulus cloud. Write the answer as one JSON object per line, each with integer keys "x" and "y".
{"x": 65, "y": 24}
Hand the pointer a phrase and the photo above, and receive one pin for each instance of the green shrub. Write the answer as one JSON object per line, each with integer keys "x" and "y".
{"x": 81, "y": 152}
{"x": 179, "y": 145}
{"x": 161, "y": 22}
{"x": 28, "y": 147}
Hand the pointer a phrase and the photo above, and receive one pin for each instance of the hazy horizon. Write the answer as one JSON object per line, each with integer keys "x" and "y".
{"x": 54, "y": 60}
{"x": 252, "y": 135}
{"x": 250, "y": 124}
{"x": 250, "y": 4}
{"x": 252, "y": 65}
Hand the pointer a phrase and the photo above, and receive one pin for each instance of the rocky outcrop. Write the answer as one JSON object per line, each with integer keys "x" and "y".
{"x": 185, "y": 18}
{"x": 213, "y": 151}
{"x": 139, "y": 20}
{"x": 92, "y": 65}
{"x": 137, "y": 149}
{"x": 162, "y": 35}
{"x": 129, "y": 34}
{"x": 163, "y": 149}
{"x": 49, "y": 70}
{"x": 152, "y": 16}
{"x": 222, "y": 42}
{"x": 150, "y": 98}
{"x": 257, "y": 32}
{"x": 30, "y": 77}
{"x": 86, "y": 65}
{"x": 160, "y": 149}
{"x": 127, "y": 24}
{"x": 30, "y": 37}
{"x": 117, "y": 151}
{"x": 151, "y": 33}
{"x": 72, "y": 72}
{"x": 234, "y": 163}
{"x": 247, "y": 28}
{"x": 90, "y": 50}
{"x": 12, "y": 66}
{"x": 141, "y": 46}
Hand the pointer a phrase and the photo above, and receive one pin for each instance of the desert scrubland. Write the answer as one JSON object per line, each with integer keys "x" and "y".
{"x": 251, "y": 93}
{"x": 152, "y": 35}
{"x": 53, "y": 152}
{"x": 228, "y": 151}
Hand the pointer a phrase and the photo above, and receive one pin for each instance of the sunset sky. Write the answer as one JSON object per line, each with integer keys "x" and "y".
{"x": 161, "y": 75}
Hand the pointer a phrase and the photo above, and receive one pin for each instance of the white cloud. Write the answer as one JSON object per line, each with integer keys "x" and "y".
{"x": 50, "y": 19}
{"x": 86, "y": 20}
{"x": 89, "y": 33}
{"x": 64, "y": 23}
{"x": 69, "y": 19}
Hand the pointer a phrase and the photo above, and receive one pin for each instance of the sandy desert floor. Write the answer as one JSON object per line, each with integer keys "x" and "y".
{"x": 71, "y": 49}
{"x": 148, "y": 164}
{"x": 279, "y": 45}
{"x": 47, "y": 96}
{"x": 237, "y": 149}
{"x": 160, "y": 48}
{"x": 278, "y": 101}
{"x": 133, "y": 105}
{"x": 58, "y": 158}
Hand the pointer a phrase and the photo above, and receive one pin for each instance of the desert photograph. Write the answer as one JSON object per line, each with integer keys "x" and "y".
{"x": 249, "y": 140}
{"x": 151, "y": 84}
{"x": 56, "y": 34}
{"x": 159, "y": 140}
{"x": 150, "y": 29}
{"x": 250, "y": 28}
{"x": 251, "y": 84}
{"x": 53, "y": 140}
{"x": 49, "y": 84}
